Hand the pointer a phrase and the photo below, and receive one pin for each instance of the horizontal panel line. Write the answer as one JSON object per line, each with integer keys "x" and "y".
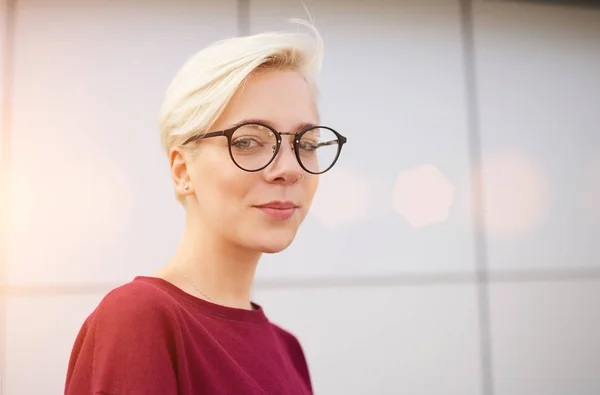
{"x": 569, "y": 4}
{"x": 521, "y": 276}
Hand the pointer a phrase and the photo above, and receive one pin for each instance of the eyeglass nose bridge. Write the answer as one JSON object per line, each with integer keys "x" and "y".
{"x": 287, "y": 134}
{"x": 279, "y": 140}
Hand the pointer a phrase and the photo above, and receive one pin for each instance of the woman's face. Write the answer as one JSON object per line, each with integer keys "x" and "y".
{"x": 247, "y": 209}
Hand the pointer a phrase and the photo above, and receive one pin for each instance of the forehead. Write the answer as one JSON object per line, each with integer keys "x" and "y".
{"x": 281, "y": 97}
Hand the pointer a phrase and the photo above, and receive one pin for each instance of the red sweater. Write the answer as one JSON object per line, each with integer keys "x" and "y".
{"x": 148, "y": 337}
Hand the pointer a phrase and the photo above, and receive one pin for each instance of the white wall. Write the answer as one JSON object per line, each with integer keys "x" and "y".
{"x": 539, "y": 89}
{"x": 390, "y": 301}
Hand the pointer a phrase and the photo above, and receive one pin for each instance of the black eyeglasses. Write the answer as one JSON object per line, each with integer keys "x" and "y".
{"x": 253, "y": 146}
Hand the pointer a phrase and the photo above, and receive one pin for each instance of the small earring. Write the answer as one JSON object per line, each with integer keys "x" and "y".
{"x": 186, "y": 187}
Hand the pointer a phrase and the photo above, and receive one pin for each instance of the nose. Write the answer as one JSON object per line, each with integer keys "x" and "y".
{"x": 285, "y": 168}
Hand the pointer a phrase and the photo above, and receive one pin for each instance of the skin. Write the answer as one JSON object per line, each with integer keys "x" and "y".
{"x": 225, "y": 234}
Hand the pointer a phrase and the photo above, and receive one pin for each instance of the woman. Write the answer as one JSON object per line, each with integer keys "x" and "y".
{"x": 239, "y": 127}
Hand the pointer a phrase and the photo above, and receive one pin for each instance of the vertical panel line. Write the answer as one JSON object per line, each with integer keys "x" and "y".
{"x": 243, "y": 17}
{"x": 477, "y": 194}
{"x": 6, "y": 57}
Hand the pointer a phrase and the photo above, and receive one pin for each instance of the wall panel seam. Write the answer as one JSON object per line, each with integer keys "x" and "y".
{"x": 477, "y": 192}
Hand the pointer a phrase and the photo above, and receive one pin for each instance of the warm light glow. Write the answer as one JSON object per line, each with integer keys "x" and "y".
{"x": 515, "y": 193}
{"x": 343, "y": 198}
{"x": 69, "y": 201}
{"x": 20, "y": 206}
{"x": 423, "y": 196}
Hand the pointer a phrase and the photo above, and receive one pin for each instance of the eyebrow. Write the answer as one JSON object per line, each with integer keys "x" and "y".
{"x": 298, "y": 128}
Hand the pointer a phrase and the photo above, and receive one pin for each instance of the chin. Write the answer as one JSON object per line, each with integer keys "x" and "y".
{"x": 274, "y": 248}
{"x": 273, "y": 242}
{"x": 269, "y": 237}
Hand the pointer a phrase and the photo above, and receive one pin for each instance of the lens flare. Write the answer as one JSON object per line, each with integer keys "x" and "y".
{"x": 423, "y": 196}
{"x": 515, "y": 194}
{"x": 343, "y": 198}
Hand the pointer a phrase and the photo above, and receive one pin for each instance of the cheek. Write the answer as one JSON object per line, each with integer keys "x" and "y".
{"x": 311, "y": 189}
{"x": 227, "y": 190}
{"x": 224, "y": 191}
{"x": 222, "y": 187}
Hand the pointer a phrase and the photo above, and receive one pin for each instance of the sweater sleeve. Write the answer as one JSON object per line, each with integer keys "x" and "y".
{"x": 125, "y": 347}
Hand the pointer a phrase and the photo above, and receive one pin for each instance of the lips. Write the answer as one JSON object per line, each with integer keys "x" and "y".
{"x": 277, "y": 205}
{"x": 278, "y": 210}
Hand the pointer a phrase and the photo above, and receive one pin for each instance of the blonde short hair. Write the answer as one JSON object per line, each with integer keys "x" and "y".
{"x": 205, "y": 84}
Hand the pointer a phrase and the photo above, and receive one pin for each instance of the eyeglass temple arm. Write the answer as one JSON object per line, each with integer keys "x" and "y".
{"x": 204, "y": 136}
{"x": 326, "y": 143}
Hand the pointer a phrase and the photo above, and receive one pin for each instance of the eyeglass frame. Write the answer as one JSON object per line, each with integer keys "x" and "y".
{"x": 341, "y": 140}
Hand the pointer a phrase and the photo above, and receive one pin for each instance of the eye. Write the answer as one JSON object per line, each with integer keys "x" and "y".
{"x": 245, "y": 143}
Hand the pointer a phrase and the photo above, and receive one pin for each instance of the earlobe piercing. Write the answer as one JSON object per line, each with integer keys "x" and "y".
{"x": 186, "y": 187}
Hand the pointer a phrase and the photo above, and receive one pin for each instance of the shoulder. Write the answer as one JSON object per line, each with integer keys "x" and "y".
{"x": 135, "y": 304}
{"x": 295, "y": 352}
{"x": 139, "y": 295}
{"x": 129, "y": 334}
{"x": 137, "y": 318}
{"x": 286, "y": 336}
{"x": 290, "y": 342}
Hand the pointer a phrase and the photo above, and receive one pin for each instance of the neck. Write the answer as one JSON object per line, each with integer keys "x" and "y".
{"x": 221, "y": 271}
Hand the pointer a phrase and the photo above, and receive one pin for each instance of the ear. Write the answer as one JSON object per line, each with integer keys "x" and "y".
{"x": 179, "y": 171}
